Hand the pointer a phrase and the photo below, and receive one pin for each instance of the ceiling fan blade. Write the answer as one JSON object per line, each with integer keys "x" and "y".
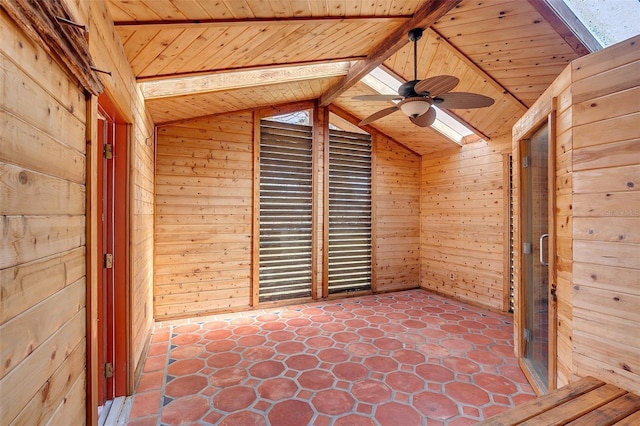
{"x": 437, "y": 85}
{"x": 463, "y": 100}
{"x": 379, "y": 114}
{"x": 426, "y": 119}
{"x": 378, "y": 97}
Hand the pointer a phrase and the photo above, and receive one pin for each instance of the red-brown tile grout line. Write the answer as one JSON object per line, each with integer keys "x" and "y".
{"x": 286, "y": 315}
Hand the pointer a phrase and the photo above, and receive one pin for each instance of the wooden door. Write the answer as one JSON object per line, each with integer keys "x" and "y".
{"x": 112, "y": 245}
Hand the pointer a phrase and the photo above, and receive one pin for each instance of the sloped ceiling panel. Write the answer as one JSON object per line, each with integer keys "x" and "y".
{"x": 503, "y": 49}
{"x": 160, "y": 10}
{"x": 436, "y": 57}
{"x": 186, "y": 48}
{"x": 511, "y": 42}
{"x": 171, "y": 109}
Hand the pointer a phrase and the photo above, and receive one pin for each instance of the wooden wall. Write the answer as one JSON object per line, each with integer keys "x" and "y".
{"x": 597, "y": 214}
{"x": 463, "y": 223}
{"x": 397, "y": 216}
{"x": 204, "y": 216}
{"x": 42, "y": 236}
{"x": 45, "y": 189}
{"x": 122, "y": 88}
{"x": 204, "y": 204}
{"x": 606, "y": 215}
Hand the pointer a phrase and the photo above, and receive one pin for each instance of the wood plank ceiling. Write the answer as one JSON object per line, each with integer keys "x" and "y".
{"x": 503, "y": 49}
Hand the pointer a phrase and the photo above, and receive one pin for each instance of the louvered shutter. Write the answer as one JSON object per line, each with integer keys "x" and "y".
{"x": 349, "y": 262}
{"x": 285, "y": 210}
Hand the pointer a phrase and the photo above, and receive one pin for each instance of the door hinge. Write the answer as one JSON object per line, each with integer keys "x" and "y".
{"x": 527, "y": 335}
{"x": 526, "y": 161}
{"x": 108, "y": 261}
{"x": 108, "y": 370}
{"x": 526, "y": 248}
{"x": 108, "y": 151}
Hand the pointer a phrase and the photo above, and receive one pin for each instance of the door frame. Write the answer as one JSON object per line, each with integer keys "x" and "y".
{"x": 123, "y": 374}
{"x": 520, "y": 314}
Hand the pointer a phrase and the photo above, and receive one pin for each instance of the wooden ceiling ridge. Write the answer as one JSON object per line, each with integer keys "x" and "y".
{"x": 260, "y": 21}
{"x": 425, "y": 15}
{"x": 194, "y": 74}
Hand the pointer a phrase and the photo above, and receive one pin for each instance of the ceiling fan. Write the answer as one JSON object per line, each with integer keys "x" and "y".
{"x": 416, "y": 97}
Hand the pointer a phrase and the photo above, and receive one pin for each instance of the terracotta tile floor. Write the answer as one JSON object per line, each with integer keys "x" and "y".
{"x": 406, "y": 358}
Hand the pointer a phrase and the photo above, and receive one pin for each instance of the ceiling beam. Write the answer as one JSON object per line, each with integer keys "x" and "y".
{"x": 259, "y": 21}
{"x": 187, "y": 74}
{"x": 428, "y": 13}
{"x": 239, "y": 79}
{"x": 567, "y": 25}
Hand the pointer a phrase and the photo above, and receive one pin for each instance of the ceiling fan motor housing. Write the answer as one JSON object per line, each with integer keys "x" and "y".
{"x": 406, "y": 90}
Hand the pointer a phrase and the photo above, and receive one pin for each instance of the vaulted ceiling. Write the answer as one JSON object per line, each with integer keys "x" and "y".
{"x": 202, "y": 57}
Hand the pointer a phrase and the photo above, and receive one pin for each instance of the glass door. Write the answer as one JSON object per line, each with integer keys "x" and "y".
{"x": 536, "y": 316}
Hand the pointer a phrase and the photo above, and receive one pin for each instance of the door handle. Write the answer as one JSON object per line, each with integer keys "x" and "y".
{"x": 542, "y": 237}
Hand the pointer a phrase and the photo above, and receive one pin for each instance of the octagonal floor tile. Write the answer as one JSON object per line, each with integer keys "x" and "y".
{"x": 266, "y": 369}
{"x": 404, "y": 382}
{"x": 350, "y": 371}
{"x": 333, "y": 402}
{"x": 371, "y": 391}
{"x": 185, "y": 410}
{"x": 394, "y": 413}
{"x": 394, "y": 359}
{"x": 234, "y": 398}
{"x": 435, "y": 405}
{"x": 316, "y": 379}
{"x": 278, "y": 388}
{"x": 291, "y": 413}
{"x": 466, "y": 393}
{"x": 186, "y": 385}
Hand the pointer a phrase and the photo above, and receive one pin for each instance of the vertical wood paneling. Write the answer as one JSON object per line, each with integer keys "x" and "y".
{"x": 606, "y": 215}
{"x": 463, "y": 224}
{"x": 42, "y": 238}
{"x": 397, "y": 215}
{"x": 204, "y": 190}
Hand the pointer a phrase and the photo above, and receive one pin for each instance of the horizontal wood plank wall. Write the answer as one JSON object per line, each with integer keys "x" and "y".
{"x": 204, "y": 193}
{"x": 606, "y": 215}
{"x": 563, "y": 228}
{"x": 397, "y": 215}
{"x": 42, "y": 235}
{"x": 463, "y": 224}
{"x": 121, "y": 86}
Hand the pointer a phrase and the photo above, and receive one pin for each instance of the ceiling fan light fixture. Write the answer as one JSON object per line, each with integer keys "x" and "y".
{"x": 414, "y": 107}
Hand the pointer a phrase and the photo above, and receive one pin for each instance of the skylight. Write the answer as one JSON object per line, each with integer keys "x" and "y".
{"x": 386, "y": 84}
{"x": 610, "y": 21}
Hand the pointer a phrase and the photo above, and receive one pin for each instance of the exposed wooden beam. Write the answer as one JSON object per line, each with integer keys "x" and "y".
{"x": 238, "y": 79}
{"x": 174, "y": 76}
{"x": 428, "y": 13}
{"x": 259, "y": 21}
{"x": 567, "y": 25}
